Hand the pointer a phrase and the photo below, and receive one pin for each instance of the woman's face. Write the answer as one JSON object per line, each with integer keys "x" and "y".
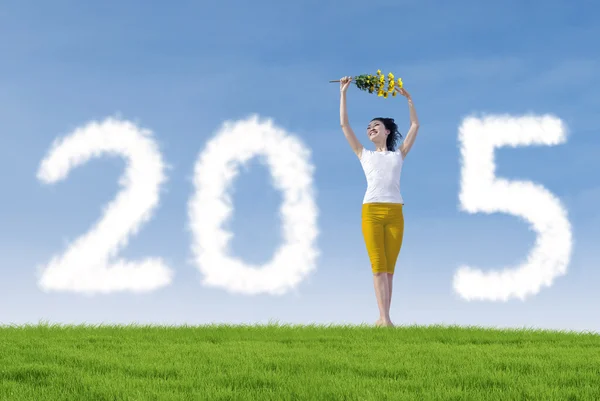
{"x": 376, "y": 131}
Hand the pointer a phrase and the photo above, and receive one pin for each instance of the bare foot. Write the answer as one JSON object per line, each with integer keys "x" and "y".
{"x": 388, "y": 323}
{"x": 380, "y": 322}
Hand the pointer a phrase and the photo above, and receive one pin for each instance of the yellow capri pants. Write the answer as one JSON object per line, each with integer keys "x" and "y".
{"x": 383, "y": 231}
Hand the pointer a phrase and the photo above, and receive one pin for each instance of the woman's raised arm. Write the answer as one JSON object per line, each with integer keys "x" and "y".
{"x": 414, "y": 125}
{"x": 348, "y": 132}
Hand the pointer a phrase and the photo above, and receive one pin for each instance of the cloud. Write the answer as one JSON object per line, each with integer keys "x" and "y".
{"x": 483, "y": 192}
{"x": 525, "y": 77}
{"x": 462, "y": 71}
{"x": 211, "y": 206}
{"x": 566, "y": 74}
{"x": 89, "y": 265}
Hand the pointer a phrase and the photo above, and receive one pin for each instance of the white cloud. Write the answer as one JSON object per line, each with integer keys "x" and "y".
{"x": 482, "y": 192}
{"x": 89, "y": 264}
{"x": 211, "y": 206}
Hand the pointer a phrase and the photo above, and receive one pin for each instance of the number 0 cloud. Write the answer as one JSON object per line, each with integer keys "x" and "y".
{"x": 211, "y": 206}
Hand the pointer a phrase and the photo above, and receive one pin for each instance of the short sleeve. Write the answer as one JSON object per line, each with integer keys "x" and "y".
{"x": 363, "y": 154}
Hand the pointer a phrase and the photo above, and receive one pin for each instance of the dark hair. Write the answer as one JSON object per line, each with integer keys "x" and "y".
{"x": 394, "y": 136}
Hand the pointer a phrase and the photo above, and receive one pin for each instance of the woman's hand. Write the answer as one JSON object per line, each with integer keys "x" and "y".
{"x": 344, "y": 84}
{"x": 404, "y": 93}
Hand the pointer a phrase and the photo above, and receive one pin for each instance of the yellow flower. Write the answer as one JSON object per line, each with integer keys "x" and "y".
{"x": 385, "y": 95}
{"x": 378, "y": 72}
{"x": 380, "y": 93}
{"x": 394, "y": 94}
{"x": 391, "y": 76}
{"x": 400, "y": 82}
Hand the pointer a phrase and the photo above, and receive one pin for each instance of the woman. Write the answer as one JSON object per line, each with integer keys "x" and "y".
{"x": 382, "y": 218}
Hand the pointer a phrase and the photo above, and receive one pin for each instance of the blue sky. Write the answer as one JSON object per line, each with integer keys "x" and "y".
{"x": 182, "y": 70}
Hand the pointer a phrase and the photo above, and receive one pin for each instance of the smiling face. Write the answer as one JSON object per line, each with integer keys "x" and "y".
{"x": 376, "y": 132}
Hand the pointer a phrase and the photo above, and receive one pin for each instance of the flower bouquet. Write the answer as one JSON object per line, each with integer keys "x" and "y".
{"x": 371, "y": 83}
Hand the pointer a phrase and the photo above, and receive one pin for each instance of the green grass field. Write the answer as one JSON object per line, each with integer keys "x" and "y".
{"x": 272, "y": 362}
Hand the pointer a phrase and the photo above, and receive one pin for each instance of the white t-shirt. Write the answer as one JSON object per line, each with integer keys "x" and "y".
{"x": 382, "y": 170}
